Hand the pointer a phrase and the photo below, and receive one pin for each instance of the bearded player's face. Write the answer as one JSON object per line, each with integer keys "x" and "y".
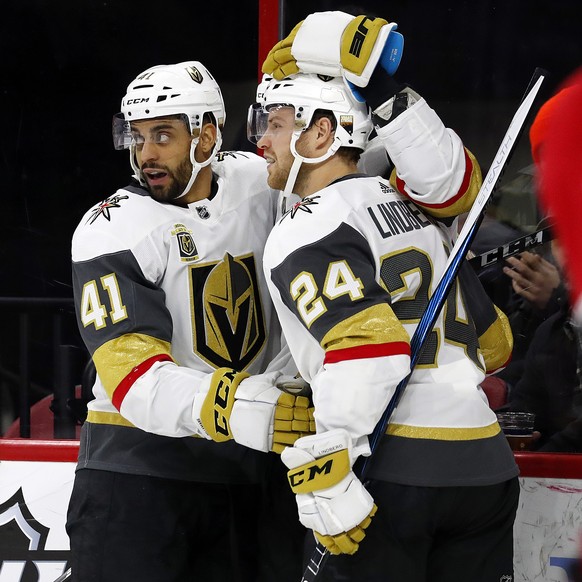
{"x": 162, "y": 149}
{"x": 275, "y": 145}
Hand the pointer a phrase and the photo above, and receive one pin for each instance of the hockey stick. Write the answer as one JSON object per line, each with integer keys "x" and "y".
{"x": 518, "y": 245}
{"x": 64, "y": 576}
{"x": 436, "y": 302}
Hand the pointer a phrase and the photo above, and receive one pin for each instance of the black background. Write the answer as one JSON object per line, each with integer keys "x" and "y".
{"x": 65, "y": 65}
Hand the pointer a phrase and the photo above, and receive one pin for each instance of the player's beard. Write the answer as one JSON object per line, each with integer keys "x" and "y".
{"x": 279, "y": 174}
{"x": 178, "y": 180}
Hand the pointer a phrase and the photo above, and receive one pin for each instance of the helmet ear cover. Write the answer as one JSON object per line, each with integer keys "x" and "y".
{"x": 347, "y": 153}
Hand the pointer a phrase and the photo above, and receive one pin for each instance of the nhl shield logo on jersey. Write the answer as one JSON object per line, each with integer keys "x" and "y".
{"x": 203, "y": 212}
{"x": 186, "y": 246}
{"x": 229, "y": 324}
{"x": 221, "y": 156}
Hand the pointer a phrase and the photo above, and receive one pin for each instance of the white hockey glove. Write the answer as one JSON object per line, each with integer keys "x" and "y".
{"x": 253, "y": 411}
{"x": 331, "y": 500}
{"x": 335, "y": 43}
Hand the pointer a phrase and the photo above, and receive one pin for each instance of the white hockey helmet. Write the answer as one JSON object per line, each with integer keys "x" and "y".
{"x": 306, "y": 94}
{"x": 186, "y": 89}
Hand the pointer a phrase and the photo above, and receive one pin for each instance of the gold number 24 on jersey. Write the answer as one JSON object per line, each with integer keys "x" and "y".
{"x": 394, "y": 271}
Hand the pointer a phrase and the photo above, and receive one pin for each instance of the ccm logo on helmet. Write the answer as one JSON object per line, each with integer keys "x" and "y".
{"x": 310, "y": 473}
{"x": 135, "y": 101}
{"x": 359, "y": 37}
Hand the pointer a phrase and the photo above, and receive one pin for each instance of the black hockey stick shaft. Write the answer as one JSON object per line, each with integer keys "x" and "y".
{"x": 437, "y": 300}
{"x": 518, "y": 245}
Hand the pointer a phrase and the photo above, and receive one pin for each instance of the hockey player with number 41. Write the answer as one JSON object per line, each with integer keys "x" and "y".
{"x": 350, "y": 269}
{"x": 173, "y": 307}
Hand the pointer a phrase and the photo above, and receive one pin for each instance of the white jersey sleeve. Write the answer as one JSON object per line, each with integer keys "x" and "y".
{"x": 431, "y": 165}
{"x": 124, "y": 320}
{"x": 166, "y": 294}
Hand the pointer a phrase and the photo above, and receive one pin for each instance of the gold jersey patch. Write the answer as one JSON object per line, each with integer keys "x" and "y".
{"x": 186, "y": 246}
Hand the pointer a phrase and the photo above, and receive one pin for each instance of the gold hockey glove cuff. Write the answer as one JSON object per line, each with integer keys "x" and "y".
{"x": 217, "y": 406}
{"x": 254, "y": 412}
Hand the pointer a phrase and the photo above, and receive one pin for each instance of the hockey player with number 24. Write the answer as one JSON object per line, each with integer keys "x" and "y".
{"x": 350, "y": 269}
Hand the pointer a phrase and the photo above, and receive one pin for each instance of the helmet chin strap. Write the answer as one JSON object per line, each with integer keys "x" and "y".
{"x": 196, "y": 166}
{"x": 135, "y": 167}
{"x": 300, "y": 159}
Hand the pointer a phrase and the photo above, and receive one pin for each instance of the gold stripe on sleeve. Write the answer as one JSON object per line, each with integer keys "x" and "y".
{"x": 375, "y": 325}
{"x": 497, "y": 342}
{"x": 115, "y": 418}
{"x": 459, "y": 203}
{"x": 115, "y": 359}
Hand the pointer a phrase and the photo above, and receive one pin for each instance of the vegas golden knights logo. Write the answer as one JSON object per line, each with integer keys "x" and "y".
{"x": 228, "y": 320}
{"x": 195, "y": 74}
{"x": 186, "y": 246}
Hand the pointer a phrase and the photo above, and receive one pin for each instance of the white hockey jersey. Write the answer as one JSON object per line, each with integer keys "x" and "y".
{"x": 350, "y": 270}
{"x": 165, "y": 295}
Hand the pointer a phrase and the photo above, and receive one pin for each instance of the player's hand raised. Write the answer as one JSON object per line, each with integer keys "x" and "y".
{"x": 335, "y": 43}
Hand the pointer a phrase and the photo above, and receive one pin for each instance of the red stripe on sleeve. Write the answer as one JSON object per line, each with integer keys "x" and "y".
{"x": 367, "y": 351}
{"x": 125, "y": 385}
{"x": 499, "y": 368}
{"x": 401, "y": 184}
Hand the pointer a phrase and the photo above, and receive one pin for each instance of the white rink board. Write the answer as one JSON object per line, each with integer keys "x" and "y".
{"x": 33, "y": 504}
{"x": 547, "y": 528}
